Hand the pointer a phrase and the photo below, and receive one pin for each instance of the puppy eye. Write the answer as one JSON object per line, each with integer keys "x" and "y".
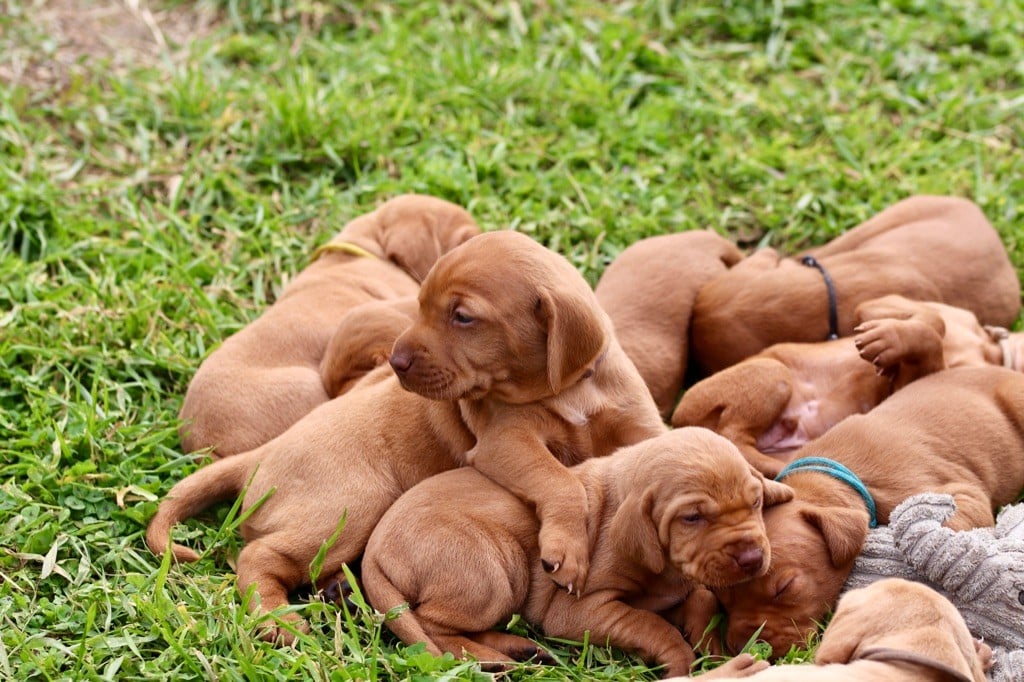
{"x": 1020, "y": 598}
{"x": 782, "y": 588}
{"x": 758, "y": 502}
{"x": 692, "y": 518}
{"x": 459, "y": 317}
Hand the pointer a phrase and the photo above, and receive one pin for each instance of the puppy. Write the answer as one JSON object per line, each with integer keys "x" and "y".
{"x": 959, "y": 431}
{"x": 649, "y": 291}
{"x": 362, "y": 341}
{"x": 538, "y": 353}
{"x": 263, "y": 378}
{"x": 665, "y": 516}
{"x": 803, "y": 389}
{"x": 340, "y": 466}
{"x": 512, "y": 331}
{"x": 894, "y": 630}
{"x": 926, "y": 248}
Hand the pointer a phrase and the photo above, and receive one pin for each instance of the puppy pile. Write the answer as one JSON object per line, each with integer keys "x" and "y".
{"x": 462, "y": 413}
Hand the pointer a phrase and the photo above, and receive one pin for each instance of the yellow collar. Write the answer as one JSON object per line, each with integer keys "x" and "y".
{"x": 340, "y": 247}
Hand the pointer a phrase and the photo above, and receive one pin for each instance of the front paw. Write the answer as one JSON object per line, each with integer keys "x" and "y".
{"x": 743, "y": 665}
{"x": 566, "y": 560}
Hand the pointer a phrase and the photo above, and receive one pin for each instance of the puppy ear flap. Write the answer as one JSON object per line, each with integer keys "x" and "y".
{"x": 633, "y": 533}
{"x": 575, "y": 335}
{"x": 414, "y": 243}
{"x": 774, "y": 492}
{"x": 844, "y": 531}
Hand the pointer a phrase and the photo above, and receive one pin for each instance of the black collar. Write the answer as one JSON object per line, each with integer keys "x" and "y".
{"x": 833, "y": 309}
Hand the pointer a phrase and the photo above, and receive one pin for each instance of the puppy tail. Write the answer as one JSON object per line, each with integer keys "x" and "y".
{"x": 214, "y": 483}
{"x": 385, "y": 597}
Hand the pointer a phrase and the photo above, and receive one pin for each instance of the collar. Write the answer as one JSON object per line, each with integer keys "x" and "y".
{"x": 1001, "y": 335}
{"x": 830, "y": 287}
{"x": 341, "y": 247}
{"x": 837, "y": 471}
{"x": 887, "y": 654}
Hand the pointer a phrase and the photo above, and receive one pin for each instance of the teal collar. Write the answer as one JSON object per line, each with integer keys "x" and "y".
{"x": 836, "y": 470}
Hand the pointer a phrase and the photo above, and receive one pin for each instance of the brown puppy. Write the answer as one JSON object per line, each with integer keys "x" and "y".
{"x": 665, "y": 516}
{"x": 926, "y": 248}
{"x": 803, "y": 389}
{"x": 349, "y": 458}
{"x": 263, "y": 378}
{"x": 356, "y": 454}
{"x": 959, "y": 431}
{"x": 893, "y": 630}
{"x": 649, "y": 291}
{"x": 512, "y": 331}
{"x": 362, "y": 341}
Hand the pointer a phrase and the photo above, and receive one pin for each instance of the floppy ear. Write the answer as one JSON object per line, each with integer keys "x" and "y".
{"x": 633, "y": 533}
{"x": 774, "y": 492}
{"x": 843, "y": 530}
{"x": 575, "y": 335}
{"x": 414, "y": 243}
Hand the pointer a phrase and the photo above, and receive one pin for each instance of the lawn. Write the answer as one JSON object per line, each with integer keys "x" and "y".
{"x": 165, "y": 168}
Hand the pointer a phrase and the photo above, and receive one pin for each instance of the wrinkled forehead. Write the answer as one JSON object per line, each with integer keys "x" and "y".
{"x": 715, "y": 492}
{"x": 476, "y": 273}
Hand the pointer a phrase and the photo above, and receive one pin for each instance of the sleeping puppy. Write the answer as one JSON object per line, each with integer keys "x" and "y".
{"x": 959, "y": 431}
{"x": 263, "y": 378}
{"x": 522, "y": 337}
{"x": 803, "y": 389}
{"x": 649, "y": 291}
{"x": 513, "y": 333}
{"x": 362, "y": 341}
{"x": 893, "y": 630}
{"x": 664, "y": 516}
{"x": 926, "y": 248}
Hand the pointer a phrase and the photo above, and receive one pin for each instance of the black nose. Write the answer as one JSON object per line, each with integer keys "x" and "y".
{"x": 400, "y": 361}
{"x": 750, "y": 559}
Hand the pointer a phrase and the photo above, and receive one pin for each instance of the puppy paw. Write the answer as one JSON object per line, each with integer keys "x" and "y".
{"x": 568, "y": 563}
{"x": 878, "y": 342}
{"x": 280, "y": 634}
{"x": 743, "y": 665}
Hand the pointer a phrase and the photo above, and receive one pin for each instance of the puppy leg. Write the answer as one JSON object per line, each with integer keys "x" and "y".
{"x": 622, "y": 626}
{"x": 515, "y": 647}
{"x": 694, "y": 616}
{"x": 461, "y": 646}
{"x": 723, "y": 403}
{"x": 514, "y": 457}
{"x": 900, "y": 337}
{"x": 274, "y": 575}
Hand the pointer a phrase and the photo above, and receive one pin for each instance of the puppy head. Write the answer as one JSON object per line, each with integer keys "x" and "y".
{"x": 362, "y": 341}
{"x": 813, "y": 550}
{"x": 503, "y": 317}
{"x": 917, "y": 619}
{"x": 693, "y": 502}
{"x": 413, "y": 231}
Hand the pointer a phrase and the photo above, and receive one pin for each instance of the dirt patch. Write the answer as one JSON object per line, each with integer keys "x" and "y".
{"x": 54, "y": 39}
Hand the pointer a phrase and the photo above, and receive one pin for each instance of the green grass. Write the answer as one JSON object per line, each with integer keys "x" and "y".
{"x": 151, "y": 206}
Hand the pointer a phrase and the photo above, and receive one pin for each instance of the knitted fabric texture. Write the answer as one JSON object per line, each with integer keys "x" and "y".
{"x": 981, "y": 571}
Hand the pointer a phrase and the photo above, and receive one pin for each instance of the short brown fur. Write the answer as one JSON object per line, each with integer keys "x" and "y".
{"x": 803, "y": 389}
{"x": 927, "y": 248}
{"x": 959, "y": 431}
{"x": 262, "y": 379}
{"x": 665, "y": 515}
{"x": 649, "y": 291}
